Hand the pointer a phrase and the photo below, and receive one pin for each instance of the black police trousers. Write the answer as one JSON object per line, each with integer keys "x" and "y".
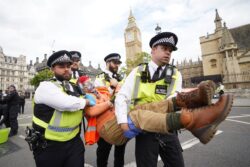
{"x": 103, "y": 151}
{"x": 61, "y": 154}
{"x": 149, "y": 145}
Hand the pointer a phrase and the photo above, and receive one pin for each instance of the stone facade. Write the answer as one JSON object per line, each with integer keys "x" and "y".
{"x": 192, "y": 72}
{"x": 225, "y": 57}
{"x": 226, "y": 52}
{"x": 14, "y": 70}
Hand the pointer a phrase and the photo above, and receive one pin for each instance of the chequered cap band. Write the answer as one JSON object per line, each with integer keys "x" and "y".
{"x": 113, "y": 58}
{"x": 63, "y": 58}
{"x": 75, "y": 55}
{"x": 164, "y": 40}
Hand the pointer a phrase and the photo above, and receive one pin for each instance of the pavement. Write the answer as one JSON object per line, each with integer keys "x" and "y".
{"x": 239, "y": 102}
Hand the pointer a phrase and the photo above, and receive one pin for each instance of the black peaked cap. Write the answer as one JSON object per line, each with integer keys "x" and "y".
{"x": 75, "y": 54}
{"x": 112, "y": 56}
{"x": 164, "y": 38}
{"x": 61, "y": 56}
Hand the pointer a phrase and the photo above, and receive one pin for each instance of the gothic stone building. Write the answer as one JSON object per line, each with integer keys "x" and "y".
{"x": 225, "y": 57}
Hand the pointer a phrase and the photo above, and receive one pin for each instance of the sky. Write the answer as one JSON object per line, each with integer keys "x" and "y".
{"x": 96, "y": 27}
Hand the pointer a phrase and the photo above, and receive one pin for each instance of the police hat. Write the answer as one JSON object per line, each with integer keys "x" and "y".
{"x": 61, "y": 56}
{"x": 113, "y": 57}
{"x": 75, "y": 54}
{"x": 164, "y": 38}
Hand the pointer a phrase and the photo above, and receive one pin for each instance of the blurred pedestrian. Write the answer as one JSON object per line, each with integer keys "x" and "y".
{"x": 21, "y": 102}
{"x": 3, "y": 108}
{"x": 12, "y": 100}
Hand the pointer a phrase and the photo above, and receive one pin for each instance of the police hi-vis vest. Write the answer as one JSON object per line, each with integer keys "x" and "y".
{"x": 104, "y": 78}
{"x": 60, "y": 126}
{"x": 146, "y": 92}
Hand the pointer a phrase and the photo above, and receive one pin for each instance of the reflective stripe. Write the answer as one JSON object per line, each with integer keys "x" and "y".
{"x": 172, "y": 85}
{"x": 91, "y": 128}
{"x": 57, "y": 120}
{"x": 137, "y": 84}
{"x": 58, "y": 115}
{"x": 40, "y": 122}
{"x": 61, "y": 129}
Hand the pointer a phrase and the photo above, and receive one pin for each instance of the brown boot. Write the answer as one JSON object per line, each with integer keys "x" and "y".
{"x": 203, "y": 122}
{"x": 197, "y": 97}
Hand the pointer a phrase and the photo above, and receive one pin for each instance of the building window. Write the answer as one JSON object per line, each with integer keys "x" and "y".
{"x": 213, "y": 63}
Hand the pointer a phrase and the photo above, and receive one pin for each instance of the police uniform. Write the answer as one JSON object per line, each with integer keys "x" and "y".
{"x": 57, "y": 116}
{"x": 103, "y": 149}
{"x": 76, "y": 73}
{"x": 140, "y": 87}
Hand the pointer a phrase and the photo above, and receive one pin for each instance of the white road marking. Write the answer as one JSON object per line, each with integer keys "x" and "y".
{"x": 238, "y": 121}
{"x": 21, "y": 136}
{"x": 185, "y": 145}
{"x": 240, "y": 116}
{"x": 26, "y": 124}
{"x": 24, "y": 116}
{"x": 190, "y": 143}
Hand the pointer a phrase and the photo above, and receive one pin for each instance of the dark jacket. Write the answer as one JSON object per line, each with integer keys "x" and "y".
{"x": 12, "y": 99}
{"x": 22, "y": 99}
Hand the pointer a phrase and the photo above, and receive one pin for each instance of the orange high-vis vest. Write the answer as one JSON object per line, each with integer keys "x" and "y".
{"x": 98, "y": 115}
{"x": 91, "y": 135}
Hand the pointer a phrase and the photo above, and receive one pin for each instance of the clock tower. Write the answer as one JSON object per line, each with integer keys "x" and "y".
{"x": 132, "y": 37}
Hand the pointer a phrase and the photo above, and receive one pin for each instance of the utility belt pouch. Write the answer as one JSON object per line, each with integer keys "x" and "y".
{"x": 35, "y": 139}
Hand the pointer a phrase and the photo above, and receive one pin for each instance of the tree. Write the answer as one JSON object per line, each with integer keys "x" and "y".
{"x": 41, "y": 76}
{"x": 142, "y": 57}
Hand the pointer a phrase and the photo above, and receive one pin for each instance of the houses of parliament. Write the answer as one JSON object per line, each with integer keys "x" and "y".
{"x": 225, "y": 58}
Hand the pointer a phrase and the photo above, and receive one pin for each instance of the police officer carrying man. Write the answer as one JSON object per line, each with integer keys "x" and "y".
{"x": 158, "y": 80}
{"x": 55, "y": 137}
{"x": 110, "y": 78}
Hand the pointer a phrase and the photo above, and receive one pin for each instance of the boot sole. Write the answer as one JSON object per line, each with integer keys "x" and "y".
{"x": 205, "y": 134}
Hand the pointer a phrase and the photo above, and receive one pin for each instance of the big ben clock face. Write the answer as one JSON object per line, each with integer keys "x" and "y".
{"x": 129, "y": 37}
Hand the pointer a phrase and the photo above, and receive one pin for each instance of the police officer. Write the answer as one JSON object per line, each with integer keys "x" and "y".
{"x": 57, "y": 116}
{"x": 110, "y": 78}
{"x": 76, "y": 59}
{"x": 157, "y": 81}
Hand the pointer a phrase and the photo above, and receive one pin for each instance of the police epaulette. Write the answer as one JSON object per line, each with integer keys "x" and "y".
{"x": 72, "y": 83}
{"x": 172, "y": 65}
{"x": 51, "y": 79}
{"x": 142, "y": 64}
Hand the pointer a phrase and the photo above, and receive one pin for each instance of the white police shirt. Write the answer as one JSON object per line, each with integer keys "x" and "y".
{"x": 123, "y": 97}
{"x": 49, "y": 94}
{"x": 99, "y": 83}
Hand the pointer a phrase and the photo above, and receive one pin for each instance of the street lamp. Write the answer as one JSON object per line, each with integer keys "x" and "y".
{"x": 157, "y": 29}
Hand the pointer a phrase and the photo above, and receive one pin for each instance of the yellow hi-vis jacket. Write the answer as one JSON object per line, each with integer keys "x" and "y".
{"x": 147, "y": 92}
{"x": 63, "y": 126}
